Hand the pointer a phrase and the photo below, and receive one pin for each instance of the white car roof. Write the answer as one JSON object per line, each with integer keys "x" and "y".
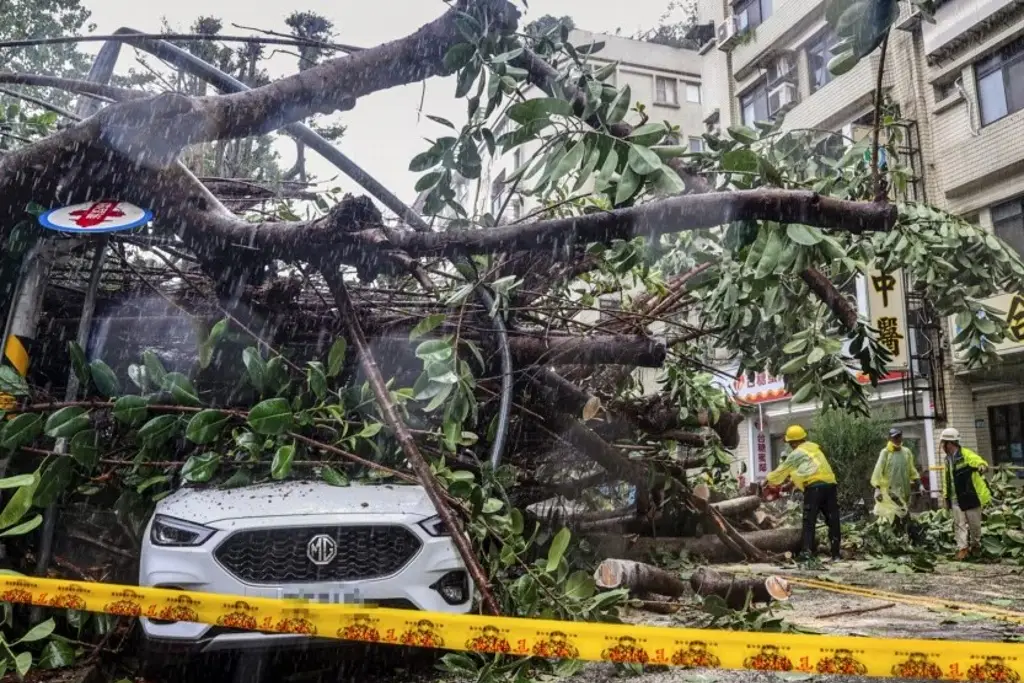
{"x": 207, "y": 505}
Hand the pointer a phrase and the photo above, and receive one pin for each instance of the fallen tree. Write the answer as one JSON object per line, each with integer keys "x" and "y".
{"x": 709, "y": 546}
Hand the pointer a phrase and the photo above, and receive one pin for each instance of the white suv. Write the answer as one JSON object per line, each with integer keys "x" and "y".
{"x": 378, "y": 544}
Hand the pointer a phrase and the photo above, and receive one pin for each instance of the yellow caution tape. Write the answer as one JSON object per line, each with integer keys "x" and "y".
{"x": 690, "y": 648}
{"x": 16, "y": 356}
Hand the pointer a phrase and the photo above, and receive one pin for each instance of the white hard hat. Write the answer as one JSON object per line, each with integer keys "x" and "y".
{"x": 949, "y": 434}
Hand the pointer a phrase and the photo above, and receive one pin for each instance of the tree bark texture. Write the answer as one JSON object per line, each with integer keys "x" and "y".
{"x": 708, "y": 547}
{"x": 734, "y": 590}
{"x": 638, "y": 577}
{"x": 737, "y": 507}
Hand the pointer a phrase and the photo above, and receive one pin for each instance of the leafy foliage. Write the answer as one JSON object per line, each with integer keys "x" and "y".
{"x": 852, "y": 444}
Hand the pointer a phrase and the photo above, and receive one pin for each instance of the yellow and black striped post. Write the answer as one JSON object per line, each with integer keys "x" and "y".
{"x": 15, "y": 356}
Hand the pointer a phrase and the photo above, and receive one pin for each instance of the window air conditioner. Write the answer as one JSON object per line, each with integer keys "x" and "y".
{"x": 780, "y": 96}
{"x": 726, "y": 33}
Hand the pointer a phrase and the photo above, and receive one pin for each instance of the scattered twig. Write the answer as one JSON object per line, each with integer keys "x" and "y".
{"x": 862, "y": 610}
{"x": 112, "y": 549}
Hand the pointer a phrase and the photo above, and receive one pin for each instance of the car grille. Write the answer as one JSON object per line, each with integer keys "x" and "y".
{"x": 280, "y": 555}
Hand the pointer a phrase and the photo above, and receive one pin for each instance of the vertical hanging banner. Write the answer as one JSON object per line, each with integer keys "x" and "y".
{"x": 15, "y": 357}
{"x": 888, "y": 310}
{"x": 762, "y": 461}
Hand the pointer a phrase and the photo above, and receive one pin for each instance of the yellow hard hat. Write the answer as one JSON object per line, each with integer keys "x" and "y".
{"x": 795, "y": 433}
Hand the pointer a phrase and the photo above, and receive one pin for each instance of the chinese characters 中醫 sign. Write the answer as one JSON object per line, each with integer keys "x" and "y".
{"x": 888, "y": 312}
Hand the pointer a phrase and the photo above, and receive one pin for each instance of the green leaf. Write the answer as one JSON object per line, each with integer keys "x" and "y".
{"x": 570, "y": 162}
{"x": 281, "y": 467}
{"x": 336, "y": 357}
{"x": 181, "y": 389}
{"x": 428, "y": 181}
{"x": 467, "y": 77}
{"x": 739, "y": 161}
{"x": 803, "y": 394}
{"x": 256, "y": 368}
{"x": 19, "y": 503}
{"x": 580, "y": 585}
{"x": 24, "y": 527}
{"x": 842, "y": 63}
{"x": 426, "y": 325}
{"x": 619, "y": 106}
{"x": 317, "y": 379}
{"x": 158, "y": 430}
{"x": 17, "y": 481}
{"x": 557, "y": 550}
{"x": 57, "y": 654}
{"x": 458, "y": 56}
{"x": 794, "y": 365}
{"x": 205, "y": 426}
{"x": 200, "y": 468}
{"x": 539, "y": 108}
{"x": 434, "y": 351}
{"x": 370, "y": 430}
{"x": 794, "y": 346}
{"x": 79, "y": 363}
{"x": 20, "y": 431}
{"x": 154, "y": 368}
{"x": 468, "y": 162}
{"x": 210, "y": 343}
{"x": 131, "y": 410}
{"x": 11, "y": 382}
{"x": 628, "y": 184}
{"x": 643, "y": 160}
{"x": 66, "y": 422}
{"x": 804, "y": 235}
{"x": 104, "y": 379}
{"x": 743, "y": 134}
{"x": 23, "y": 662}
{"x": 85, "y": 448}
{"x": 817, "y": 353}
{"x": 426, "y": 160}
{"x": 53, "y": 481}
{"x": 333, "y": 476}
{"x": 648, "y": 134}
{"x": 271, "y": 417}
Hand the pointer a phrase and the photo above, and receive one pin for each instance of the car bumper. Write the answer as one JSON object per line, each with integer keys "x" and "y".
{"x": 196, "y": 569}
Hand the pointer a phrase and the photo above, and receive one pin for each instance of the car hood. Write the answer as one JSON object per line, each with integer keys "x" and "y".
{"x": 204, "y": 506}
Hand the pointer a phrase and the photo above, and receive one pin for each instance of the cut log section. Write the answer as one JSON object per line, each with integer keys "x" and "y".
{"x": 638, "y": 577}
{"x": 708, "y": 547}
{"x": 737, "y": 507}
{"x": 734, "y": 590}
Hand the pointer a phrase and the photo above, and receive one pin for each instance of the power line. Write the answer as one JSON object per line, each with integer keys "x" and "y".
{"x": 274, "y": 39}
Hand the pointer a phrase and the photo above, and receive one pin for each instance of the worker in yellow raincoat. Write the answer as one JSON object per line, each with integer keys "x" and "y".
{"x": 894, "y": 478}
{"x": 964, "y": 491}
{"x": 811, "y": 473}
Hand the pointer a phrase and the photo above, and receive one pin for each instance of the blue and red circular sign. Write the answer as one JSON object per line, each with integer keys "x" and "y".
{"x": 106, "y": 215}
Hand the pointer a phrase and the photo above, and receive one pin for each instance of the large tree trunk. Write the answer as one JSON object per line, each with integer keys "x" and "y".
{"x": 638, "y": 577}
{"x": 734, "y": 590}
{"x": 708, "y": 547}
{"x": 737, "y": 507}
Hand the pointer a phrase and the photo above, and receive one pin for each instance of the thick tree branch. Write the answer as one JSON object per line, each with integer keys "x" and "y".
{"x": 111, "y": 92}
{"x": 830, "y": 295}
{"x": 419, "y": 464}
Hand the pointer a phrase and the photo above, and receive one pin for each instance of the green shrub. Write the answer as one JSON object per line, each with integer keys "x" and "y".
{"x": 851, "y": 443}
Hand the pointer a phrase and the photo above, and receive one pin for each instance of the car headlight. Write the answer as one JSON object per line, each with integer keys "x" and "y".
{"x": 435, "y": 526}
{"x": 169, "y": 531}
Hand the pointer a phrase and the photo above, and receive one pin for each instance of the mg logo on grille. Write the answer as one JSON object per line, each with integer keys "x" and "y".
{"x": 321, "y": 549}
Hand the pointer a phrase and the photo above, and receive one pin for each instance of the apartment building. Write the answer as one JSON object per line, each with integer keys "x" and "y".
{"x": 959, "y": 84}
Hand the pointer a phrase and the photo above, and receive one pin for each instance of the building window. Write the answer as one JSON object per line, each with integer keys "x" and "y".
{"x": 1008, "y": 223}
{"x": 693, "y": 93}
{"x": 1007, "y": 434}
{"x": 696, "y": 144}
{"x": 517, "y": 159}
{"x": 751, "y": 13}
{"x": 665, "y": 91}
{"x": 819, "y": 53}
{"x": 1001, "y": 83}
{"x": 754, "y": 104}
{"x": 497, "y": 194}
